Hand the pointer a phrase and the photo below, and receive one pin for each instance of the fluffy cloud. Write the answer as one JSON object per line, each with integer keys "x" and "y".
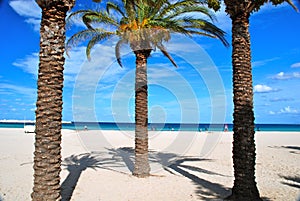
{"x": 288, "y": 110}
{"x": 10, "y": 88}
{"x": 29, "y": 64}
{"x": 262, "y": 88}
{"x": 296, "y": 75}
{"x": 281, "y": 76}
{"x": 295, "y": 65}
{"x": 285, "y": 110}
{"x": 28, "y": 9}
{"x": 286, "y": 76}
{"x": 272, "y": 113}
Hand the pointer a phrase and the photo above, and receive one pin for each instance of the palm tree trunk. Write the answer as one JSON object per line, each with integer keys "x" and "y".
{"x": 47, "y": 154}
{"x": 243, "y": 117}
{"x": 141, "y": 166}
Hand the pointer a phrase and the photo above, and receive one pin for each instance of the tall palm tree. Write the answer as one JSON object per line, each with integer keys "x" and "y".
{"x": 244, "y": 155}
{"x": 144, "y": 25}
{"x": 47, "y": 156}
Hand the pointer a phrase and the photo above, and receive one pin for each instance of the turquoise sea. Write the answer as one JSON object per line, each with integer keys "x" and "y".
{"x": 161, "y": 127}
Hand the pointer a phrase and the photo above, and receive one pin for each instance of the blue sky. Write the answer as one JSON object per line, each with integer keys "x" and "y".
{"x": 199, "y": 90}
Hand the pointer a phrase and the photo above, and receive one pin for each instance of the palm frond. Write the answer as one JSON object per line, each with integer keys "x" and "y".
{"x": 172, "y": 25}
{"x": 130, "y": 8}
{"x": 199, "y": 10}
{"x": 112, "y": 6}
{"x": 100, "y": 36}
{"x": 194, "y": 25}
{"x": 101, "y": 17}
{"x": 76, "y": 15}
{"x": 170, "y": 8}
{"x": 117, "y": 50}
{"x": 156, "y": 6}
{"x": 79, "y": 37}
{"x": 146, "y": 23}
{"x": 166, "y": 54}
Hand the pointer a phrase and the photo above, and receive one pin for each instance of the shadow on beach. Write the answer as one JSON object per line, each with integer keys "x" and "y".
{"x": 292, "y": 181}
{"x": 293, "y": 149}
{"x": 122, "y": 160}
{"x": 76, "y": 164}
{"x": 206, "y": 190}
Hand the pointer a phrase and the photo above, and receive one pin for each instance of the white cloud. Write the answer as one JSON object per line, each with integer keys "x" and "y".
{"x": 18, "y": 89}
{"x": 28, "y": 9}
{"x": 262, "y": 88}
{"x": 281, "y": 76}
{"x": 288, "y": 110}
{"x": 35, "y": 22}
{"x": 263, "y": 62}
{"x": 286, "y": 76}
{"x": 295, "y": 65}
{"x": 296, "y": 75}
{"x": 29, "y": 64}
{"x": 272, "y": 113}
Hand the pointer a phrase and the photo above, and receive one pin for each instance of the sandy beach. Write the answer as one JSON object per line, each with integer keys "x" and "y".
{"x": 185, "y": 166}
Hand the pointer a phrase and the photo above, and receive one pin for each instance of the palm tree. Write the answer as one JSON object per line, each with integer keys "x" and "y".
{"x": 144, "y": 25}
{"x": 47, "y": 156}
{"x": 244, "y": 155}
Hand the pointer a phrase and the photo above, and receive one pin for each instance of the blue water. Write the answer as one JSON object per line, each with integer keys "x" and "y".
{"x": 162, "y": 127}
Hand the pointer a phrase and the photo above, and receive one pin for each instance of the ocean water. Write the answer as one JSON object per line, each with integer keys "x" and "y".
{"x": 160, "y": 126}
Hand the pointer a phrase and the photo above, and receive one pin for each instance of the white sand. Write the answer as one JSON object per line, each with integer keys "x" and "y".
{"x": 100, "y": 163}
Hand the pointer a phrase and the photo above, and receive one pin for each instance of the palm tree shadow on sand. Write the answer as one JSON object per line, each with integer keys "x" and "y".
{"x": 122, "y": 160}
{"x": 76, "y": 165}
{"x": 174, "y": 164}
{"x": 292, "y": 181}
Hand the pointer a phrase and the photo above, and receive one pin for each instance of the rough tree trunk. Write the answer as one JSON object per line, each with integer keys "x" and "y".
{"x": 141, "y": 166}
{"x": 47, "y": 154}
{"x": 243, "y": 117}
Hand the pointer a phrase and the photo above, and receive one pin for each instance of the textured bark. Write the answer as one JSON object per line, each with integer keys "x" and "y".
{"x": 243, "y": 117}
{"x": 47, "y": 154}
{"x": 141, "y": 166}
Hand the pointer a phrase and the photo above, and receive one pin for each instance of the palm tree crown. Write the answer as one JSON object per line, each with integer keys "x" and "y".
{"x": 144, "y": 24}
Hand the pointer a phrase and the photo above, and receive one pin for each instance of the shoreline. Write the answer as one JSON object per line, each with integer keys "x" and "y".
{"x": 154, "y": 131}
{"x": 184, "y": 167}
{"x": 203, "y": 127}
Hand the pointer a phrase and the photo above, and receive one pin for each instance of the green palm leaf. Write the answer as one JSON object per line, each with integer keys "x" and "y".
{"x": 99, "y": 36}
{"x": 146, "y": 22}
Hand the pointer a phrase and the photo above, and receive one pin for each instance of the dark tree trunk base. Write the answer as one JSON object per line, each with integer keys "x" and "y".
{"x": 233, "y": 197}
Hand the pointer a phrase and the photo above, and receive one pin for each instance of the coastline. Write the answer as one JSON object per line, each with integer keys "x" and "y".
{"x": 122, "y": 126}
{"x": 191, "y": 171}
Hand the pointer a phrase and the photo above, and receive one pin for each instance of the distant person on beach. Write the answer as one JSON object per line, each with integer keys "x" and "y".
{"x": 85, "y": 128}
{"x": 225, "y": 128}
